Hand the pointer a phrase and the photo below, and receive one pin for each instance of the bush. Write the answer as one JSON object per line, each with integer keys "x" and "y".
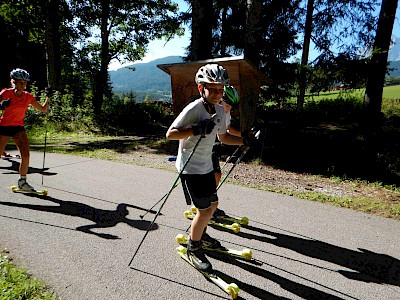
{"x": 130, "y": 117}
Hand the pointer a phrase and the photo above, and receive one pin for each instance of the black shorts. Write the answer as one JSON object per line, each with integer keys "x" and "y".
{"x": 199, "y": 189}
{"x": 11, "y": 130}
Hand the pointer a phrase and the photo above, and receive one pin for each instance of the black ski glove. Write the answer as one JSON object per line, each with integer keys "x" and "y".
{"x": 5, "y": 103}
{"x": 250, "y": 137}
{"x": 203, "y": 127}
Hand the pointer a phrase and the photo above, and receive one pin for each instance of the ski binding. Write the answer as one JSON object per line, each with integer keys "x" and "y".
{"x": 231, "y": 289}
{"x": 245, "y": 254}
{"x": 15, "y": 189}
{"x": 235, "y": 227}
{"x": 242, "y": 221}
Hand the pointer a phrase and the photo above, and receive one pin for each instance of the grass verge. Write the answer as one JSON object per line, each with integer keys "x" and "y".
{"x": 16, "y": 283}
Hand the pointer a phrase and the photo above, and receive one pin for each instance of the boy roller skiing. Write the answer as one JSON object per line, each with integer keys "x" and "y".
{"x": 196, "y": 128}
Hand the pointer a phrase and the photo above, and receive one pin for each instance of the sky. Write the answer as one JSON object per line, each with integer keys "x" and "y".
{"x": 159, "y": 48}
{"x": 176, "y": 46}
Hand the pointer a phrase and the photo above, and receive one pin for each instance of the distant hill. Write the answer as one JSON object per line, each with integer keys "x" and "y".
{"x": 146, "y": 78}
{"x": 394, "y": 52}
{"x": 394, "y": 68}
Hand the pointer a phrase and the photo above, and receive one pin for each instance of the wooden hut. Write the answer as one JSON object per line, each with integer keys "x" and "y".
{"x": 244, "y": 76}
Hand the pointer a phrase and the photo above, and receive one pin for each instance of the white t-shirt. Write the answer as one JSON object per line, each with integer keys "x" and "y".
{"x": 228, "y": 118}
{"x": 192, "y": 114}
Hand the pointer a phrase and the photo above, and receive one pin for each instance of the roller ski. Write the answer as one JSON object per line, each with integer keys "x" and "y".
{"x": 245, "y": 254}
{"x": 230, "y": 288}
{"x": 16, "y": 189}
{"x": 219, "y": 216}
{"x": 8, "y": 156}
{"x": 24, "y": 188}
{"x": 235, "y": 227}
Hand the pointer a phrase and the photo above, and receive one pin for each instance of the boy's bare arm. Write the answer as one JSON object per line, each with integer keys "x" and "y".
{"x": 178, "y": 134}
{"x": 230, "y": 139}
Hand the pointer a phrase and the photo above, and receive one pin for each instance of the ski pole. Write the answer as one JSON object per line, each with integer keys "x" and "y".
{"x": 165, "y": 200}
{"x": 44, "y": 150}
{"x": 230, "y": 157}
{"x": 257, "y": 135}
{"x": 149, "y": 210}
{"x": 233, "y": 166}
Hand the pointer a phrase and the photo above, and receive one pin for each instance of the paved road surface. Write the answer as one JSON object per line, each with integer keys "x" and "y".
{"x": 80, "y": 239}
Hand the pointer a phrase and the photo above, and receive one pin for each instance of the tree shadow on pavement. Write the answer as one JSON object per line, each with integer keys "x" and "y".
{"x": 368, "y": 266}
{"x": 15, "y": 168}
{"x": 102, "y": 218}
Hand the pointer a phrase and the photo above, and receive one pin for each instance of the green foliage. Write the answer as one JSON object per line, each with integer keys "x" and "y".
{"x": 15, "y": 283}
{"x": 121, "y": 116}
{"x": 65, "y": 114}
{"x": 328, "y": 138}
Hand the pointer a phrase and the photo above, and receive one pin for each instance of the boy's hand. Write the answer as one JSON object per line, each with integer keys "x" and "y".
{"x": 203, "y": 127}
{"x": 5, "y": 103}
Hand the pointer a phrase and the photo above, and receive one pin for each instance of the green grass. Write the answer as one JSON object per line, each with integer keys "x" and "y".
{"x": 389, "y": 92}
{"x": 16, "y": 283}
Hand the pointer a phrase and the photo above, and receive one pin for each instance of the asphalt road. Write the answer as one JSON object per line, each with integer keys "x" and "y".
{"x": 81, "y": 238}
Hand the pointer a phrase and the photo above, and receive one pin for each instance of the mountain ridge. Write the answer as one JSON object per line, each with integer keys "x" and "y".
{"x": 149, "y": 79}
{"x": 146, "y": 77}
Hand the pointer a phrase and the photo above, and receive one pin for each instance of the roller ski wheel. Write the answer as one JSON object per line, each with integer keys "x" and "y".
{"x": 245, "y": 254}
{"x": 16, "y": 189}
{"x": 235, "y": 227}
{"x": 244, "y": 221}
{"x": 230, "y": 288}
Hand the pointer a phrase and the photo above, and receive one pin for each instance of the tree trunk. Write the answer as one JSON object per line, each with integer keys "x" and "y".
{"x": 249, "y": 90}
{"x": 253, "y": 31}
{"x": 53, "y": 53}
{"x": 378, "y": 64}
{"x": 102, "y": 74}
{"x": 304, "y": 56}
{"x": 201, "y": 43}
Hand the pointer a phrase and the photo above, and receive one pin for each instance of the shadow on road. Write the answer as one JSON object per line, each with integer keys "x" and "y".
{"x": 291, "y": 286}
{"x": 102, "y": 218}
{"x": 15, "y": 168}
{"x": 368, "y": 266}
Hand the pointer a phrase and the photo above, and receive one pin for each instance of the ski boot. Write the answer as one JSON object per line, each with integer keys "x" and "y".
{"x": 196, "y": 256}
{"x": 209, "y": 242}
{"x": 245, "y": 253}
{"x": 24, "y": 186}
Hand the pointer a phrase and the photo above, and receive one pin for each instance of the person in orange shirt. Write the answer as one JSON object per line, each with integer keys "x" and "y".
{"x": 15, "y": 102}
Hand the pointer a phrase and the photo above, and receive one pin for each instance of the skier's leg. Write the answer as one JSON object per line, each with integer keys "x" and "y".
{"x": 201, "y": 190}
{"x": 22, "y": 142}
{"x": 199, "y": 223}
{"x": 3, "y": 143}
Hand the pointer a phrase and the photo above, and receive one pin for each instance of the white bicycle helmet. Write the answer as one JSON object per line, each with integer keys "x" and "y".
{"x": 212, "y": 73}
{"x": 20, "y": 74}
